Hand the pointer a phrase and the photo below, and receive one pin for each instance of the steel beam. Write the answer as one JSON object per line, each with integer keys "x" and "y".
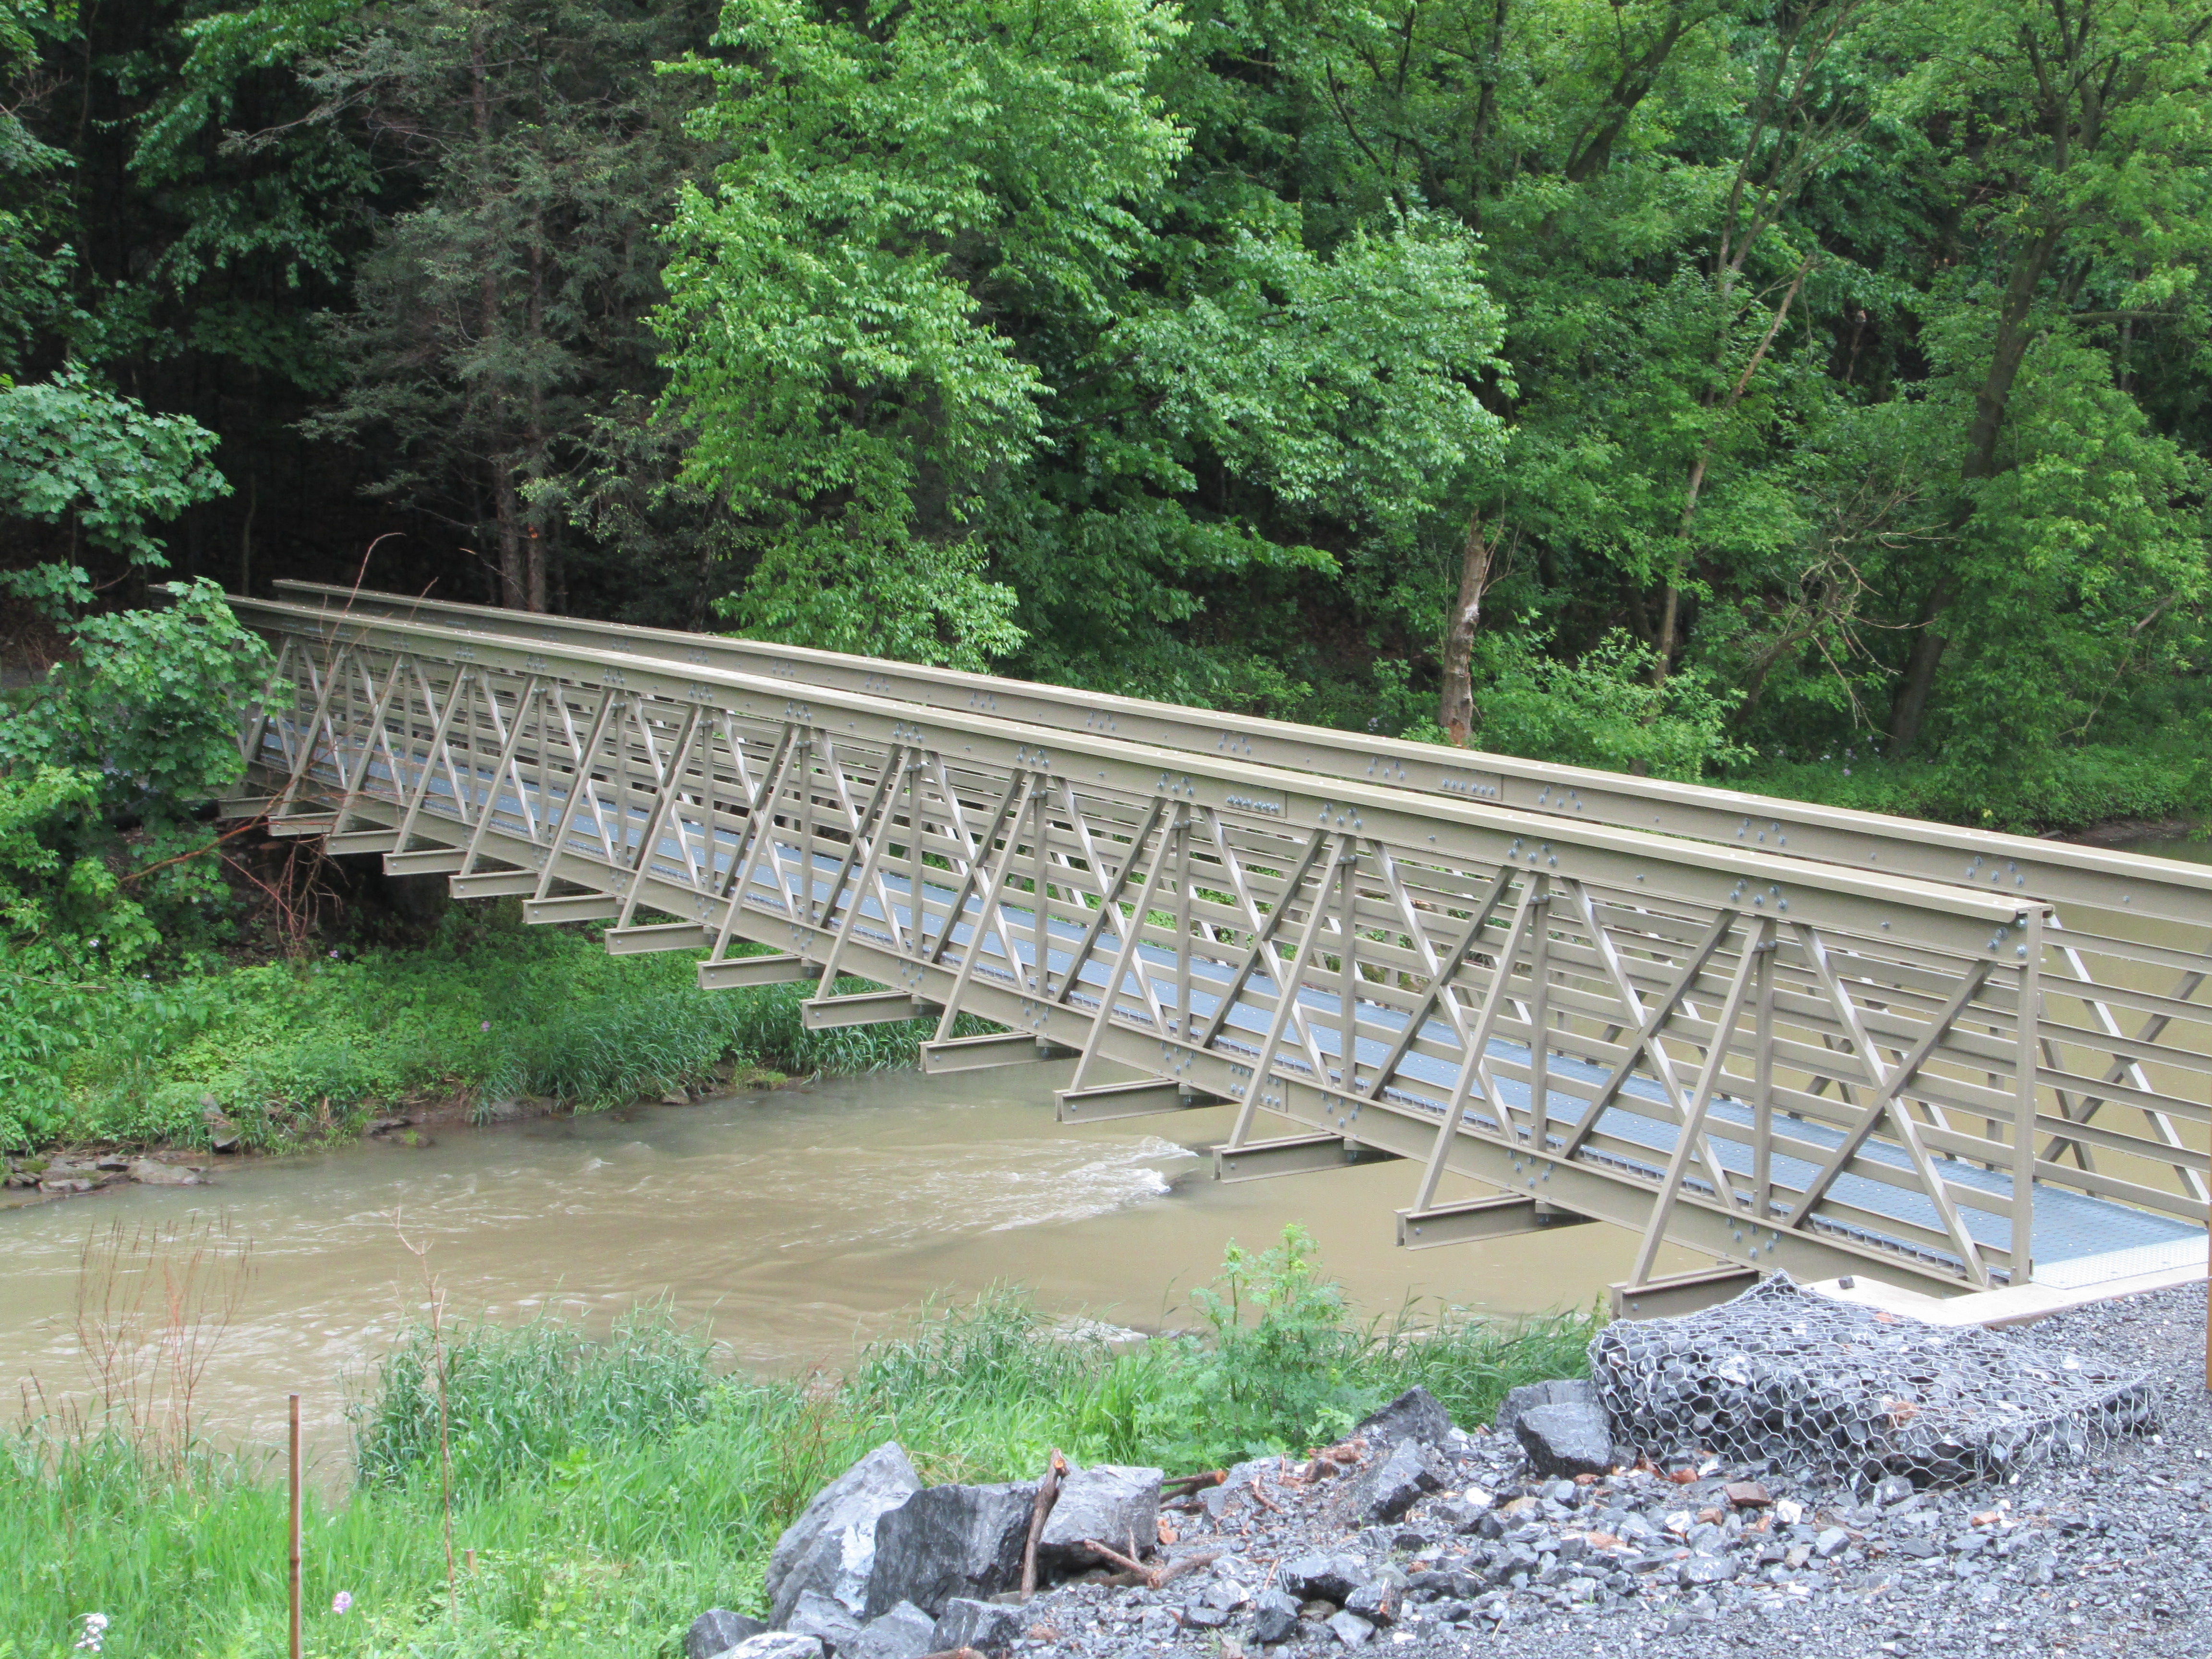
{"x": 1478, "y": 1219}
{"x": 492, "y": 884}
{"x": 571, "y": 907}
{"x": 1263, "y": 1160}
{"x": 1107, "y": 1102}
{"x": 657, "y": 936}
{"x": 429, "y": 861}
{"x": 360, "y": 840}
{"x": 982, "y": 1054}
{"x": 740, "y": 973}
{"x": 1682, "y": 1293}
{"x": 863, "y": 1008}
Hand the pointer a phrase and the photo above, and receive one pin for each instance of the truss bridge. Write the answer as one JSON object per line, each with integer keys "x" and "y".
{"x": 1784, "y": 1036}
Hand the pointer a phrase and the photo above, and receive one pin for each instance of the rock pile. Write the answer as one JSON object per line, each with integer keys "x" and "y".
{"x": 1413, "y": 1534}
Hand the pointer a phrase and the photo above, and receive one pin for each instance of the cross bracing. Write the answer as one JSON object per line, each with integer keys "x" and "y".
{"x": 1783, "y": 1061}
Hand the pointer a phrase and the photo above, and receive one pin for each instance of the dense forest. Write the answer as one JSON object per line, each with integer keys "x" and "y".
{"x": 1667, "y": 383}
{"x": 1804, "y": 394}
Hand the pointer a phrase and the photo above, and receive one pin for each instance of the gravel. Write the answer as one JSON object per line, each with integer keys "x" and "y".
{"x": 2114, "y": 1556}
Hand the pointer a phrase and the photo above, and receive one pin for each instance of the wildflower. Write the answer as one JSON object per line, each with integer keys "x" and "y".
{"x": 334, "y": 955}
{"x": 483, "y": 1025}
{"x": 342, "y": 1601}
{"x": 95, "y": 1626}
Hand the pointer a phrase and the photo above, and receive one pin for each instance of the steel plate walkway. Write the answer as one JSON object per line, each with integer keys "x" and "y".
{"x": 1789, "y": 1036}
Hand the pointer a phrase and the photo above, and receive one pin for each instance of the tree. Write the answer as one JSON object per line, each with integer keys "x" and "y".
{"x": 502, "y": 315}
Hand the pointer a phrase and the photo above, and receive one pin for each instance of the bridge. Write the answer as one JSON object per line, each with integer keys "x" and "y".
{"x": 1784, "y": 1036}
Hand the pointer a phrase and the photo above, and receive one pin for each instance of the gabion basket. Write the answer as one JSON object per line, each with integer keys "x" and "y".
{"x": 1784, "y": 1380}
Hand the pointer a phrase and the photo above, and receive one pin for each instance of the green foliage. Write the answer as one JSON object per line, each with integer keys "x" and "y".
{"x": 74, "y": 452}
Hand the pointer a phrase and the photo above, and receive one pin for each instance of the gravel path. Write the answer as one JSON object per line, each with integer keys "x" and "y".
{"x": 2113, "y": 1557}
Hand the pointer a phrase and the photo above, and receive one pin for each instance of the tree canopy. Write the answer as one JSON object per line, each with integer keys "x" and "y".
{"x": 1691, "y": 385}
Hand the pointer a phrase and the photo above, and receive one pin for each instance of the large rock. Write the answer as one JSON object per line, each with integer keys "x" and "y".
{"x": 1117, "y": 1505}
{"x": 905, "y": 1632}
{"x": 1560, "y": 1391}
{"x": 824, "y": 1618}
{"x": 1410, "y": 1472}
{"x": 986, "y": 1626}
{"x": 1566, "y": 1440}
{"x": 716, "y": 1630}
{"x": 831, "y": 1547}
{"x": 1323, "y": 1577}
{"x": 1274, "y": 1617}
{"x": 1416, "y": 1414}
{"x": 945, "y": 1541}
{"x": 777, "y": 1645}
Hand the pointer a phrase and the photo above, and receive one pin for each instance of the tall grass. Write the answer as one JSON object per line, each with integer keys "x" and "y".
{"x": 610, "y": 1488}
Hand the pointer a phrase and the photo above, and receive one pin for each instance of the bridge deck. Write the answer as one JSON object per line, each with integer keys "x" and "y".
{"x": 1785, "y": 1065}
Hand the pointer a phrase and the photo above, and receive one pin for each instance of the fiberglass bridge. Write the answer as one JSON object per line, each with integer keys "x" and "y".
{"x": 1785, "y": 1036}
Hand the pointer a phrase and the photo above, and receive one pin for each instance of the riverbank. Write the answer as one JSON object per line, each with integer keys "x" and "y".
{"x": 605, "y": 1492}
{"x": 482, "y": 1019}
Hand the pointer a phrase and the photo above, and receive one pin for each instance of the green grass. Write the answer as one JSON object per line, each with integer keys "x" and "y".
{"x": 612, "y": 1489}
{"x": 297, "y": 1050}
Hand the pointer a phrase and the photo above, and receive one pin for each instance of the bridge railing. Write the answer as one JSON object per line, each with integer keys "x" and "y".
{"x": 1784, "y": 1062}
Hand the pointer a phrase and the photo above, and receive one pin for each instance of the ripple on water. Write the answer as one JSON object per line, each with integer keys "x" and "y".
{"x": 892, "y": 1195}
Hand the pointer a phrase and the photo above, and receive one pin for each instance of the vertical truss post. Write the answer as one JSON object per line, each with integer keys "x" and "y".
{"x": 2028, "y": 1025}
{"x": 1109, "y": 892}
{"x": 513, "y": 738}
{"x": 1128, "y": 952}
{"x": 990, "y": 906}
{"x": 1286, "y": 989}
{"x": 1692, "y": 1135}
{"x": 1474, "y": 1062}
{"x": 1182, "y": 926}
{"x": 1762, "y": 1086}
{"x": 1539, "y": 1018}
{"x": 579, "y": 781}
{"x": 433, "y": 749}
{"x": 759, "y": 832}
{"x": 1347, "y": 995}
{"x": 679, "y": 752}
{"x": 899, "y": 768}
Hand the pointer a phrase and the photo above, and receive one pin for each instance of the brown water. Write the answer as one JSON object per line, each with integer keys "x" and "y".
{"x": 793, "y": 1220}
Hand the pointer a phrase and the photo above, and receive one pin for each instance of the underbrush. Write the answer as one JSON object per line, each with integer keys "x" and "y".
{"x": 2058, "y": 790}
{"x": 300, "y": 1049}
{"x": 606, "y": 1490}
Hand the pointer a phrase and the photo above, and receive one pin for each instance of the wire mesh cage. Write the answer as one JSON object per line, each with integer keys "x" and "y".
{"x": 1784, "y": 1380}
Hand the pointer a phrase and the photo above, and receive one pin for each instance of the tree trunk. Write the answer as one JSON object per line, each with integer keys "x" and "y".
{"x": 513, "y": 577}
{"x": 2008, "y": 353}
{"x": 1456, "y": 706}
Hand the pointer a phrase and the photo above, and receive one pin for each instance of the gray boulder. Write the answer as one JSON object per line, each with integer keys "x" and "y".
{"x": 1387, "y": 1491}
{"x": 777, "y": 1645}
{"x": 826, "y": 1617}
{"x": 1350, "y": 1629}
{"x": 945, "y": 1541}
{"x": 1115, "y": 1505}
{"x": 986, "y": 1626}
{"x": 1416, "y": 1414}
{"x": 1560, "y": 1391}
{"x": 716, "y": 1630}
{"x": 1566, "y": 1440}
{"x": 1380, "y": 1599}
{"x": 905, "y": 1632}
{"x": 1274, "y": 1617}
{"x": 831, "y": 1547}
{"x": 1319, "y": 1576}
